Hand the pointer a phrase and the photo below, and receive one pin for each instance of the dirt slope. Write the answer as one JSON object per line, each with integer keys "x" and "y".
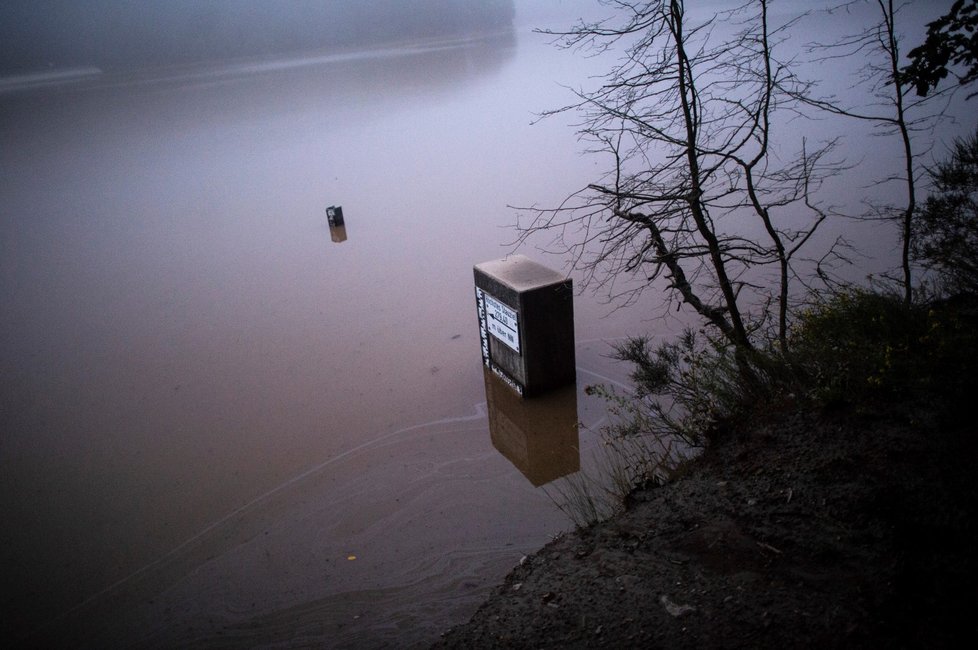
{"x": 821, "y": 531}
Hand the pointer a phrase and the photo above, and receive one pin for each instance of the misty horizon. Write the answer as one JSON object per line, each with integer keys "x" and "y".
{"x": 53, "y": 35}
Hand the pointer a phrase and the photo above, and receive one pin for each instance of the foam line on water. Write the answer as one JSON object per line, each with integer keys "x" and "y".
{"x": 48, "y": 78}
{"x": 615, "y": 382}
{"x": 480, "y": 413}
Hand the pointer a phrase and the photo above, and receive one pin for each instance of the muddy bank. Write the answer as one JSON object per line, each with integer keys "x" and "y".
{"x": 810, "y": 530}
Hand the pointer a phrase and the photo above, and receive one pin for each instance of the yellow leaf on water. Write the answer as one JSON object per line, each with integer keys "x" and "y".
{"x": 351, "y": 557}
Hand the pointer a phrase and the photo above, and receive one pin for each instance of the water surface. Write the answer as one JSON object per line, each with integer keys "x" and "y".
{"x": 220, "y": 423}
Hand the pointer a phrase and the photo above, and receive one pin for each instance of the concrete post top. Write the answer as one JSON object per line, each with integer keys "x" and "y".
{"x": 520, "y": 273}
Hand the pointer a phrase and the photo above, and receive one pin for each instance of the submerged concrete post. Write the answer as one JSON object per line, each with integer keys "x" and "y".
{"x": 334, "y": 215}
{"x": 526, "y": 322}
{"x": 337, "y": 227}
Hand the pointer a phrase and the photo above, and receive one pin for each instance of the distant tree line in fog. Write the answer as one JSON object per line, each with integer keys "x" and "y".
{"x": 37, "y": 34}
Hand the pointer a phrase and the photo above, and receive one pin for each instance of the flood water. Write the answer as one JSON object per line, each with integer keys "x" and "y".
{"x": 223, "y": 424}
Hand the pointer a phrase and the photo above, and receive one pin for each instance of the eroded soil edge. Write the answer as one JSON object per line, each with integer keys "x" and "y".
{"x": 811, "y": 530}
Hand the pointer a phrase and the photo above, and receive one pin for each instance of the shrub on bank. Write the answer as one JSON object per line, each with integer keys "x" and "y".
{"x": 857, "y": 349}
{"x": 863, "y": 349}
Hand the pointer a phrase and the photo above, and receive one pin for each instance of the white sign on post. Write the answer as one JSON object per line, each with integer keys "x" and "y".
{"x": 503, "y": 323}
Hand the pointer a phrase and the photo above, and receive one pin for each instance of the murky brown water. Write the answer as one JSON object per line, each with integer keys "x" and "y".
{"x": 211, "y": 404}
{"x": 223, "y": 423}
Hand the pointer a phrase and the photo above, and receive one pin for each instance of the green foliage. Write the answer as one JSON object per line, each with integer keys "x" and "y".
{"x": 946, "y": 229}
{"x": 683, "y": 388}
{"x": 856, "y": 345}
{"x": 951, "y": 42}
{"x": 857, "y": 349}
{"x": 866, "y": 349}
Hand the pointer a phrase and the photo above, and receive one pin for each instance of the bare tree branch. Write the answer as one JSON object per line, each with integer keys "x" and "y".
{"x": 696, "y": 194}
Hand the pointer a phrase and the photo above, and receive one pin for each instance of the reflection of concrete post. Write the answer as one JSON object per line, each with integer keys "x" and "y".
{"x": 526, "y": 318}
{"x": 538, "y": 436}
{"x": 337, "y": 233}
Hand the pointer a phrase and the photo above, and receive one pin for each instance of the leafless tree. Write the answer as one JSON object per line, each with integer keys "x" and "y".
{"x": 700, "y": 191}
{"x": 891, "y": 111}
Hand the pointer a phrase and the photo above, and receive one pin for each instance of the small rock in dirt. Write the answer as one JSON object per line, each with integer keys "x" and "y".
{"x": 674, "y": 609}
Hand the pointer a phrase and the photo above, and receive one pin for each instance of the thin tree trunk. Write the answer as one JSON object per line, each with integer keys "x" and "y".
{"x": 906, "y": 224}
{"x": 738, "y": 333}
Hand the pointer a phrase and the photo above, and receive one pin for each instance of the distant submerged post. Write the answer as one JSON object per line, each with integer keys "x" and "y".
{"x": 526, "y": 323}
{"x": 337, "y": 227}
